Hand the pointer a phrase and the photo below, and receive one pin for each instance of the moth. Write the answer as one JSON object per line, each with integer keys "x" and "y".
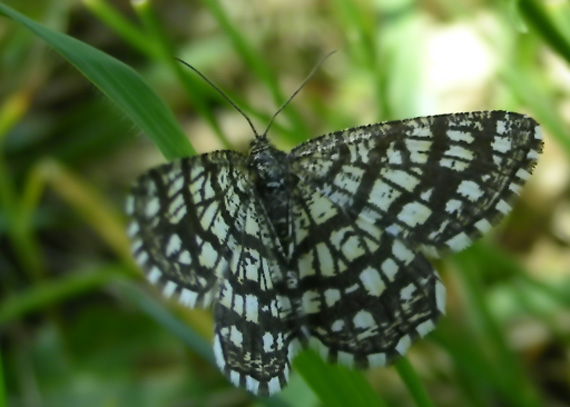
{"x": 326, "y": 246}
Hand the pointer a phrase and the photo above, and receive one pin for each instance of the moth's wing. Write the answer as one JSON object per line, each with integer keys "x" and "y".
{"x": 199, "y": 232}
{"x": 253, "y": 320}
{"x": 436, "y": 182}
{"x": 365, "y": 294}
{"x": 181, "y": 224}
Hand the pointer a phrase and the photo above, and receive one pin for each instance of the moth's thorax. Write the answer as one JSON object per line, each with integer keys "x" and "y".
{"x": 269, "y": 163}
{"x": 273, "y": 184}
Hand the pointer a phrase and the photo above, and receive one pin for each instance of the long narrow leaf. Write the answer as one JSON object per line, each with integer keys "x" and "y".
{"x": 537, "y": 15}
{"x": 119, "y": 83}
{"x": 43, "y": 295}
{"x": 335, "y": 385}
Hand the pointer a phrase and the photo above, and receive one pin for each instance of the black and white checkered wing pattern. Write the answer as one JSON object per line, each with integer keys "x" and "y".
{"x": 436, "y": 182}
{"x": 252, "y": 324}
{"x": 325, "y": 245}
{"x": 199, "y": 232}
{"x": 365, "y": 294}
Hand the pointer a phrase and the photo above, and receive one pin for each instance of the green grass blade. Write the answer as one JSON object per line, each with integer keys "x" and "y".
{"x": 512, "y": 374}
{"x": 2, "y": 389}
{"x": 190, "y": 82}
{"x": 123, "y": 27}
{"x": 533, "y": 90}
{"x": 41, "y": 296}
{"x": 164, "y": 317}
{"x": 413, "y": 383}
{"x": 335, "y": 385}
{"x": 536, "y": 14}
{"x": 119, "y": 83}
{"x": 260, "y": 69}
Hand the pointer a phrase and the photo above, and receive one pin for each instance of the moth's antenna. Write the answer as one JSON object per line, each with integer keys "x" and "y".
{"x": 209, "y": 82}
{"x": 309, "y": 76}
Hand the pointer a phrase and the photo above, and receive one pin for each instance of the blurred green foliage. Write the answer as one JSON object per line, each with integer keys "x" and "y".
{"x": 78, "y": 323}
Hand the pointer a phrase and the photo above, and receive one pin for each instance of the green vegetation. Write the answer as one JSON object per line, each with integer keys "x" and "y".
{"x": 78, "y": 323}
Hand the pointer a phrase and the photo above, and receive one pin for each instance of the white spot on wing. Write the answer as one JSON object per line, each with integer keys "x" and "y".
{"x": 372, "y": 282}
{"x": 188, "y": 298}
{"x": 130, "y": 205}
{"x": 421, "y": 131}
{"x": 141, "y": 258}
{"x": 208, "y": 255}
{"x": 515, "y": 188}
{"x": 169, "y": 289}
{"x": 337, "y": 325}
{"x": 184, "y": 258}
{"x": 402, "y": 252}
{"x": 382, "y": 194}
{"x": 523, "y": 174}
{"x": 176, "y": 186}
{"x": 440, "y": 296}
{"x": 176, "y": 209}
{"x": 407, "y": 291}
{"x": 453, "y": 164}
{"x": 426, "y": 195}
{"x": 389, "y": 268}
{"x": 332, "y": 296}
{"x": 419, "y": 150}
{"x": 174, "y": 244}
{"x": 321, "y": 208}
{"x": 503, "y": 207}
{"x": 325, "y": 260}
{"x": 470, "y": 190}
{"x": 311, "y": 302}
{"x": 152, "y": 207}
{"x": 377, "y": 359}
{"x": 351, "y": 289}
{"x": 273, "y": 385}
{"x": 483, "y": 225}
{"x": 252, "y": 384}
{"x": 425, "y": 327}
{"x": 349, "y": 179}
{"x": 453, "y": 205}
{"x": 268, "y": 342}
{"x": 501, "y": 144}
{"x": 219, "y": 354}
{"x": 460, "y": 152}
{"x": 364, "y": 320}
{"x": 251, "y": 308}
{"x": 459, "y": 242}
{"x": 400, "y": 177}
{"x": 133, "y": 229}
{"x": 236, "y": 336}
{"x": 532, "y": 155}
{"x": 235, "y": 377}
{"x": 460, "y": 136}
{"x": 501, "y": 127}
{"x": 414, "y": 213}
{"x": 345, "y": 358}
{"x": 154, "y": 275}
{"x": 404, "y": 344}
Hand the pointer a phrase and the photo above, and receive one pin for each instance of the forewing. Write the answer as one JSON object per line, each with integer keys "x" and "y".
{"x": 436, "y": 182}
{"x": 181, "y": 227}
{"x": 199, "y": 231}
{"x": 365, "y": 295}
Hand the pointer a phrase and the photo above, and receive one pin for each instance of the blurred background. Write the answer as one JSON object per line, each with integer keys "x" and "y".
{"x": 79, "y": 325}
